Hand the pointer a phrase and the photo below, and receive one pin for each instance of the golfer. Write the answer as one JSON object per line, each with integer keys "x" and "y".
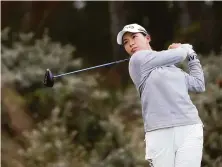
{"x": 173, "y": 128}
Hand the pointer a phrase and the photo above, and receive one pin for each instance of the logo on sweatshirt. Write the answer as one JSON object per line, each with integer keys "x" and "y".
{"x": 150, "y": 161}
{"x": 192, "y": 57}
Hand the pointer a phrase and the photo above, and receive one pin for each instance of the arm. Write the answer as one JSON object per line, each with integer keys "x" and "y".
{"x": 150, "y": 60}
{"x": 195, "y": 79}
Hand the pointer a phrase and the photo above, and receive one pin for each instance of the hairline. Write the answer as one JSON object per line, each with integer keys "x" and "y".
{"x": 143, "y": 33}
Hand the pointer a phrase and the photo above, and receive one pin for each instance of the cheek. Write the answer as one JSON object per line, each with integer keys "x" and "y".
{"x": 142, "y": 44}
{"x": 127, "y": 48}
{"x": 139, "y": 43}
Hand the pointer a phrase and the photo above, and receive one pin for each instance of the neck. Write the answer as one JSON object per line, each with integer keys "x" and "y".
{"x": 149, "y": 47}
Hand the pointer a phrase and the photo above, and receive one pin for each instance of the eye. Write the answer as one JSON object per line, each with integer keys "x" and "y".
{"x": 125, "y": 42}
{"x": 134, "y": 36}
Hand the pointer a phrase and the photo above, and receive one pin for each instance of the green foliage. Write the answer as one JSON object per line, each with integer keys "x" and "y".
{"x": 25, "y": 61}
{"x": 209, "y": 105}
{"x": 50, "y": 144}
{"x": 78, "y": 123}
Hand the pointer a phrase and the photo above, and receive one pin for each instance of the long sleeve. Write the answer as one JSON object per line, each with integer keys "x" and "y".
{"x": 195, "y": 79}
{"x": 143, "y": 62}
{"x": 158, "y": 59}
{"x": 163, "y": 88}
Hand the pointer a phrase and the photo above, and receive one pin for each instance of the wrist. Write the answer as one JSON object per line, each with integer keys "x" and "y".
{"x": 188, "y": 48}
{"x": 191, "y": 54}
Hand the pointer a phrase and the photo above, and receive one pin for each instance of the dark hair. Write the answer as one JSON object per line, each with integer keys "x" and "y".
{"x": 145, "y": 34}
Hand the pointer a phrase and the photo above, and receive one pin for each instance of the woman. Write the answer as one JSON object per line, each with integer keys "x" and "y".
{"x": 173, "y": 128}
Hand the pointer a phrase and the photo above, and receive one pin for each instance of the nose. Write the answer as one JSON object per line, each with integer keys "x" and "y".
{"x": 131, "y": 43}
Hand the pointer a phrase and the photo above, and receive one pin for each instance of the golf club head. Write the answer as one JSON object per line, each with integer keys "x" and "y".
{"x": 48, "y": 79}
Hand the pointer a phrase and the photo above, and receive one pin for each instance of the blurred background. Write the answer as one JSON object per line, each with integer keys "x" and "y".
{"x": 94, "y": 118}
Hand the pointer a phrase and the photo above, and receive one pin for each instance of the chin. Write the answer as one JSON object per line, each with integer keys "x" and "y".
{"x": 131, "y": 54}
{"x": 135, "y": 52}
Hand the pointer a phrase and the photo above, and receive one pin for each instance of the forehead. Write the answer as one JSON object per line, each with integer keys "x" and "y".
{"x": 128, "y": 34}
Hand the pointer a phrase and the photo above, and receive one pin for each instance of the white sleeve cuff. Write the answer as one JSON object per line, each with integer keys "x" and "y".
{"x": 188, "y": 48}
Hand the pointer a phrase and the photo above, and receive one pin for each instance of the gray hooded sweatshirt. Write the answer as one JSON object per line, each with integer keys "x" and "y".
{"x": 163, "y": 88}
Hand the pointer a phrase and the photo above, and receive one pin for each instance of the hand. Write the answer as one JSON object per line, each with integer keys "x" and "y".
{"x": 191, "y": 54}
{"x": 174, "y": 45}
{"x": 188, "y": 48}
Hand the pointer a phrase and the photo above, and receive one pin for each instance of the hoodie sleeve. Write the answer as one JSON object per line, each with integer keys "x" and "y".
{"x": 149, "y": 60}
{"x": 143, "y": 62}
{"x": 195, "y": 79}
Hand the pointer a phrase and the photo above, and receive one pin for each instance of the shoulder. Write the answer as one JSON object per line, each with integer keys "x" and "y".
{"x": 139, "y": 56}
{"x": 143, "y": 53}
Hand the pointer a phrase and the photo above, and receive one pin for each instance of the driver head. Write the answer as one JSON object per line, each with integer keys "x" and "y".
{"x": 48, "y": 79}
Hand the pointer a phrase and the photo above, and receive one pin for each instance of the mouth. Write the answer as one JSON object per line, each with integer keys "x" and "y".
{"x": 134, "y": 49}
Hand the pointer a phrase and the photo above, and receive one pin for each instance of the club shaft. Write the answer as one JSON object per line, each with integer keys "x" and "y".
{"x": 90, "y": 68}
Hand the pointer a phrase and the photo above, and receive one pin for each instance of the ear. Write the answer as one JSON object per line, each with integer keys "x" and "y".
{"x": 148, "y": 38}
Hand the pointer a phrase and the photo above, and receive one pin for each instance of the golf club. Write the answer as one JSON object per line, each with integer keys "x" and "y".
{"x": 49, "y": 78}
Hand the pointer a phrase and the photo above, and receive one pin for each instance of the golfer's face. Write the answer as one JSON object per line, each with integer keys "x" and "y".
{"x": 133, "y": 42}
